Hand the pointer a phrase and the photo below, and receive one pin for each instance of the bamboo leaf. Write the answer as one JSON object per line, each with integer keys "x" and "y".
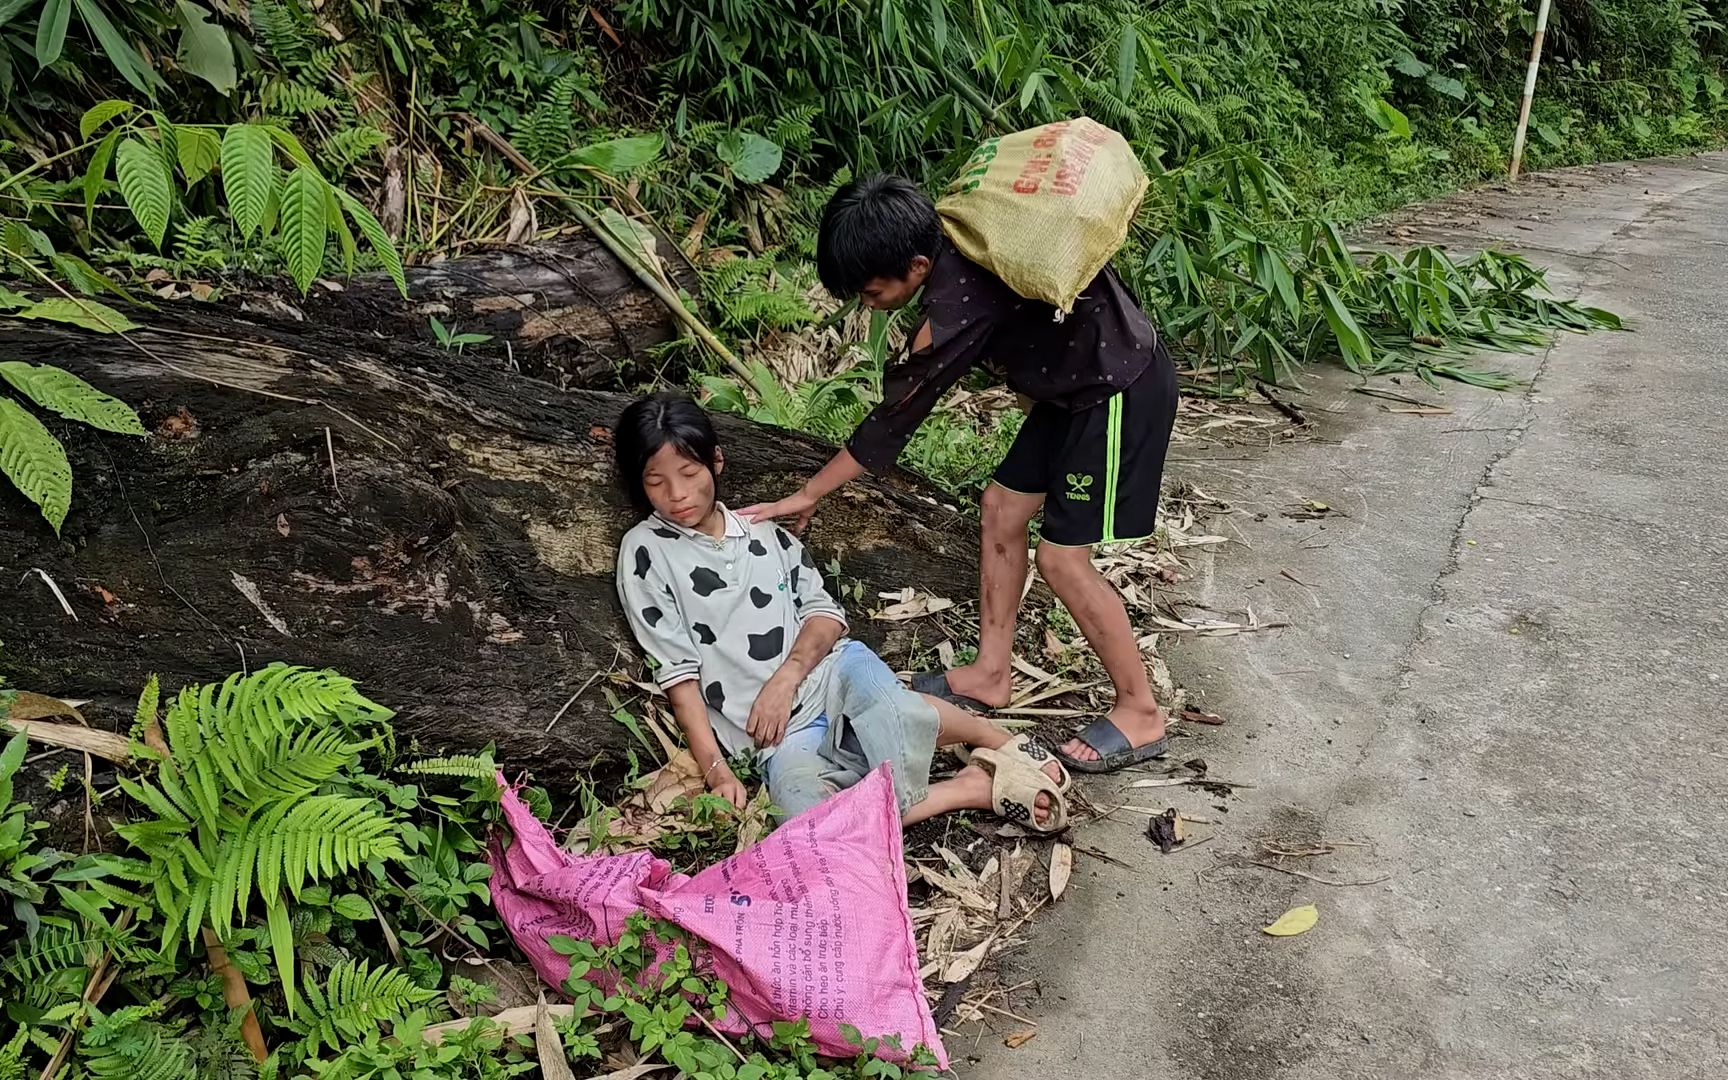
{"x": 65, "y": 393}
{"x": 97, "y": 173}
{"x": 939, "y": 25}
{"x": 1127, "y": 59}
{"x": 33, "y": 459}
{"x": 146, "y": 187}
{"x": 51, "y": 27}
{"x": 248, "y": 175}
{"x": 121, "y": 52}
{"x": 1353, "y": 344}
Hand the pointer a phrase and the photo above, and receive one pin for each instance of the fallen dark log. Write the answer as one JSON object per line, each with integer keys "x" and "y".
{"x": 440, "y": 528}
{"x": 569, "y": 312}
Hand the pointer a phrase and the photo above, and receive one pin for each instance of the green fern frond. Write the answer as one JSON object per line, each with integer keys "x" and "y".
{"x": 355, "y": 999}
{"x": 127, "y": 1044}
{"x": 466, "y": 766}
{"x": 348, "y": 146}
{"x": 280, "y": 24}
{"x": 293, "y": 98}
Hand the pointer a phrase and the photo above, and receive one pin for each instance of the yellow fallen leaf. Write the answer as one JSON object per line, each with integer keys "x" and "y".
{"x": 1298, "y": 920}
{"x": 1020, "y": 1038}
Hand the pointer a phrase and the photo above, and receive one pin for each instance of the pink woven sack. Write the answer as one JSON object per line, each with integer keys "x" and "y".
{"x": 809, "y": 923}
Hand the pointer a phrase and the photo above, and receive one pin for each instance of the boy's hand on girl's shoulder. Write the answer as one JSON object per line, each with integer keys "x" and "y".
{"x": 772, "y": 710}
{"x": 797, "y": 506}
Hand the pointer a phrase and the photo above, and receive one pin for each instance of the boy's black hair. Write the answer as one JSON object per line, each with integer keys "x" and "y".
{"x": 873, "y": 228}
{"x": 647, "y": 424}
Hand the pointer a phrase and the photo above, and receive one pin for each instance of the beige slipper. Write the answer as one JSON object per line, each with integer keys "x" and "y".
{"x": 1029, "y": 750}
{"x": 1015, "y": 784}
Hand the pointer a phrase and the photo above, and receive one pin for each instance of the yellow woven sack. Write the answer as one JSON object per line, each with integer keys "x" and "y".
{"x": 1044, "y": 209}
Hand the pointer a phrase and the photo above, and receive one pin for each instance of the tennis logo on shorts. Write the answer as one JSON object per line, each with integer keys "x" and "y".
{"x": 1077, "y": 485}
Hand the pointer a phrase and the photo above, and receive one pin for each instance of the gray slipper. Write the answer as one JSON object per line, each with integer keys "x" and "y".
{"x": 935, "y": 683}
{"x": 1114, "y": 750}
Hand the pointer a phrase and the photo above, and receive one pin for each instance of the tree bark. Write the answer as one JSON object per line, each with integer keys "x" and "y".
{"x": 436, "y": 526}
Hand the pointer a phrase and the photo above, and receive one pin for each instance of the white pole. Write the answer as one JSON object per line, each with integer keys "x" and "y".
{"x": 1529, "y": 88}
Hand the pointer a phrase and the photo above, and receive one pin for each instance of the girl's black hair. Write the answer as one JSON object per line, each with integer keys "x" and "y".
{"x": 647, "y": 424}
{"x": 874, "y": 228}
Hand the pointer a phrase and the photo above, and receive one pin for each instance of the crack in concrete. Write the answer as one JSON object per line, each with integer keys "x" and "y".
{"x": 1419, "y": 635}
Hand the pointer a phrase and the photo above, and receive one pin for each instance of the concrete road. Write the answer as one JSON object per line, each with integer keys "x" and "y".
{"x": 1506, "y": 676}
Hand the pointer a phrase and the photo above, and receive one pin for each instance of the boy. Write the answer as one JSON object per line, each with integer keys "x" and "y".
{"x": 1091, "y": 452}
{"x": 751, "y": 652}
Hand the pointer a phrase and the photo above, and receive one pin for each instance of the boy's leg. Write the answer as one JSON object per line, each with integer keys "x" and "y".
{"x": 1112, "y": 466}
{"x": 1098, "y": 610}
{"x": 1011, "y": 500}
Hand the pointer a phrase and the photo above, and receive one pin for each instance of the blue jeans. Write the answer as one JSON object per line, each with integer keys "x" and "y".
{"x": 878, "y": 720}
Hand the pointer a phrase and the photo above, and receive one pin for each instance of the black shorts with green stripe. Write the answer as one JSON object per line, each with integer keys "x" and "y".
{"x": 1099, "y": 469}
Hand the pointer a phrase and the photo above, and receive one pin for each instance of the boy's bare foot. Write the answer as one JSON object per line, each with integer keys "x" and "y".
{"x": 1141, "y": 727}
{"x": 991, "y": 687}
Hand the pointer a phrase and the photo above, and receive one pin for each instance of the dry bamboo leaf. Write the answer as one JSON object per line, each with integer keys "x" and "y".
{"x": 941, "y": 939}
{"x": 965, "y": 895}
{"x": 548, "y": 1047}
{"x": 1298, "y": 920}
{"x": 1020, "y": 1038}
{"x": 1061, "y": 869}
{"x": 967, "y": 962}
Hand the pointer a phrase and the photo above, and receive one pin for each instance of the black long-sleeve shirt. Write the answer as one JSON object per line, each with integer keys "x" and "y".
{"x": 1081, "y": 361}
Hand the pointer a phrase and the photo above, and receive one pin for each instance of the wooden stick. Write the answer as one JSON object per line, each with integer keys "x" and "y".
{"x": 1529, "y": 89}
{"x": 234, "y": 992}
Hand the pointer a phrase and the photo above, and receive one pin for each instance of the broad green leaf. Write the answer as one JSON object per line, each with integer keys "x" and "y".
{"x": 146, "y": 187}
{"x": 198, "y": 150}
{"x": 121, "y": 53}
{"x": 1410, "y": 65}
{"x": 97, "y": 173}
{"x": 353, "y": 907}
{"x": 85, "y": 313}
{"x": 618, "y": 157}
{"x": 1445, "y": 84}
{"x": 51, "y": 24}
{"x": 377, "y": 238}
{"x": 1298, "y": 920}
{"x": 10, "y": 300}
{"x": 1127, "y": 59}
{"x": 751, "y": 158}
{"x": 248, "y": 175}
{"x": 100, "y": 113}
{"x": 33, "y": 459}
{"x": 204, "y": 48}
{"x": 304, "y": 230}
{"x": 65, "y": 393}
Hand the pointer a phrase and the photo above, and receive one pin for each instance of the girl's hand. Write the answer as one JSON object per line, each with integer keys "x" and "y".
{"x": 722, "y": 783}
{"x": 797, "y": 506}
{"x": 773, "y": 708}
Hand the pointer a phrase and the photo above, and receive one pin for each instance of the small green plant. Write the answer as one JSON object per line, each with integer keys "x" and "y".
{"x": 452, "y": 340}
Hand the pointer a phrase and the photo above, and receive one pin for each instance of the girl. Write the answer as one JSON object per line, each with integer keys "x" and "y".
{"x": 751, "y": 650}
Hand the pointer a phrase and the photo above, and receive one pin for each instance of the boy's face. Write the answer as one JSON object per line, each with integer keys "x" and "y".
{"x": 678, "y": 488}
{"x": 887, "y": 294}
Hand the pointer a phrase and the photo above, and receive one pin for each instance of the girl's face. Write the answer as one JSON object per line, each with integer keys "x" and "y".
{"x": 680, "y": 489}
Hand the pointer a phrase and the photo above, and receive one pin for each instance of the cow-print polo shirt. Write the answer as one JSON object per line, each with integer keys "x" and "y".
{"x": 724, "y": 612}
